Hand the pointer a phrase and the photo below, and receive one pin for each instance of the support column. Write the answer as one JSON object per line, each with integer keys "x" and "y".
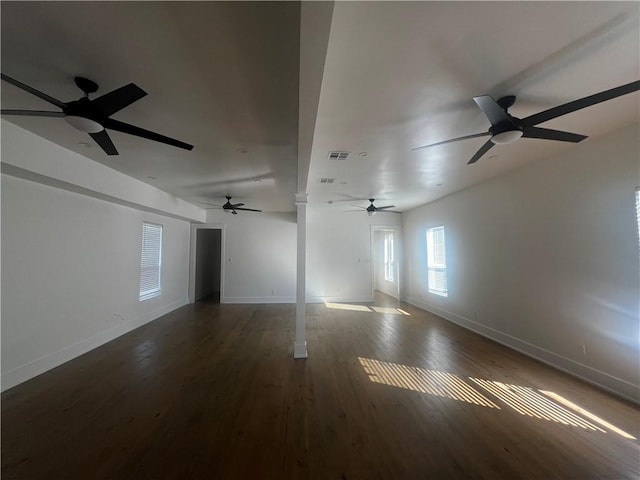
{"x": 300, "y": 346}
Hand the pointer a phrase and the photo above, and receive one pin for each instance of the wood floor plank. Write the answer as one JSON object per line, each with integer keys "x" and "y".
{"x": 212, "y": 391}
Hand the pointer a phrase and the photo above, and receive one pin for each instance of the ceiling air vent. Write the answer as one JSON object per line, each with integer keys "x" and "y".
{"x": 338, "y": 155}
{"x": 327, "y": 180}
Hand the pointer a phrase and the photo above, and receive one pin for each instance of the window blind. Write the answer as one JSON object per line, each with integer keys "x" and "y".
{"x": 150, "y": 260}
{"x": 436, "y": 261}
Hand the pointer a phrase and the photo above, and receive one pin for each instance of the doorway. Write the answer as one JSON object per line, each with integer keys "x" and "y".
{"x": 206, "y": 265}
{"x": 385, "y": 247}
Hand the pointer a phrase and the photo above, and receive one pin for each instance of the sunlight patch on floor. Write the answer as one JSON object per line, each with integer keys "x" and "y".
{"x": 423, "y": 380}
{"x": 541, "y": 404}
{"x": 588, "y": 414}
{"x": 348, "y": 306}
{"x": 364, "y": 308}
{"x": 527, "y": 401}
{"x": 390, "y": 310}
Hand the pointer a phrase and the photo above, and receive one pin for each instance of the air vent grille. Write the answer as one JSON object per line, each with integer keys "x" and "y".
{"x": 327, "y": 180}
{"x": 338, "y": 155}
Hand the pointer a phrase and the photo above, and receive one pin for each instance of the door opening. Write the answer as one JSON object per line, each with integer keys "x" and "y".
{"x": 385, "y": 246}
{"x": 208, "y": 265}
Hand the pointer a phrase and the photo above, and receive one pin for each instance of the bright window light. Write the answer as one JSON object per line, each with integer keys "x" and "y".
{"x": 638, "y": 211}
{"x": 436, "y": 261}
{"x": 388, "y": 257}
{"x": 150, "y": 260}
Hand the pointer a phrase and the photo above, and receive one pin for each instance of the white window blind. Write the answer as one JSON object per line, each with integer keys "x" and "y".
{"x": 151, "y": 260}
{"x": 436, "y": 261}
{"x": 388, "y": 257}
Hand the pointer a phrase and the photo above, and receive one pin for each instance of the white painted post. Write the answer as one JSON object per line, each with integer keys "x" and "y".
{"x": 300, "y": 346}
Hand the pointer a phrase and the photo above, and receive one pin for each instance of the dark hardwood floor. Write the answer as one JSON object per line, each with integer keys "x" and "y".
{"x": 212, "y": 391}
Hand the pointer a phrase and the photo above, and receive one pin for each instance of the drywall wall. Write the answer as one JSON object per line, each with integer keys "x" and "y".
{"x": 208, "y": 258}
{"x": 71, "y": 241}
{"x": 545, "y": 259}
{"x": 71, "y": 272}
{"x": 339, "y": 254}
{"x": 259, "y": 256}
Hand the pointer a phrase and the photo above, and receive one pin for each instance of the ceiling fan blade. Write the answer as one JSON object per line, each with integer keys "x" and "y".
{"x": 33, "y": 113}
{"x": 475, "y": 135}
{"x": 494, "y": 112}
{"x": 546, "y": 134}
{"x": 114, "y": 101}
{"x": 384, "y": 208}
{"x": 112, "y": 124}
{"x": 210, "y": 204}
{"x": 33, "y": 91}
{"x": 102, "y": 138}
{"x": 484, "y": 149}
{"x": 581, "y": 103}
{"x": 358, "y": 206}
{"x": 248, "y": 209}
{"x": 234, "y": 205}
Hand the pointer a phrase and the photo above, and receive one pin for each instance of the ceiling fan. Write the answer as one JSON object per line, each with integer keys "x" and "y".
{"x": 230, "y": 207}
{"x": 92, "y": 116}
{"x": 506, "y": 128}
{"x": 372, "y": 209}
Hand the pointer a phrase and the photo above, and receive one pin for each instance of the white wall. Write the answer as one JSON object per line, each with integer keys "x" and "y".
{"x": 545, "y": 259}
{"x": 71, "y": 242}
{"x": 339, "y": 255}
{"x": 259, "y": 256}
{"x": 71, "y": 272}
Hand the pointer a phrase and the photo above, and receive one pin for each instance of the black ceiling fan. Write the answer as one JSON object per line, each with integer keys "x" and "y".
{"x": 372, "y": 209}
{"x": 92, "y": 116}
{"x": 506, "y": 128}
{"x": 230, "y": 207}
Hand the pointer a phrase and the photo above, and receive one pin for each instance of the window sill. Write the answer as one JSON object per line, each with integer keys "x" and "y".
{"x": 147, "y": 296}
{"x": 441, "y": 294}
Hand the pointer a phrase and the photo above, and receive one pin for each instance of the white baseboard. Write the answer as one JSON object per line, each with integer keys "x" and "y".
{"x": 300, "y": 350}
{"x": 603, "y": 380}
{"x": 47, "y": 362}
{"x": 272, "y": 299}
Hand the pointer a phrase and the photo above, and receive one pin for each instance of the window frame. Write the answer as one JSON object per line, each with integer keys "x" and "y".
{"x": 436, "y": 267}
{"x": 150, "y": 260}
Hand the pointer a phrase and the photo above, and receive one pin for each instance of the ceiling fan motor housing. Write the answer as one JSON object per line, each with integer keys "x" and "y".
{"x": 82, "y": 115}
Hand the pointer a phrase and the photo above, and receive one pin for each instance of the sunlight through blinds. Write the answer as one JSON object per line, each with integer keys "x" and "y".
{"x": 151, "y": 260}
{"x": 436, "y": 261}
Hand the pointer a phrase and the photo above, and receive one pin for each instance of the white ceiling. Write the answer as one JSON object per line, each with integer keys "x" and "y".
{"x": 224, "y": 76}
